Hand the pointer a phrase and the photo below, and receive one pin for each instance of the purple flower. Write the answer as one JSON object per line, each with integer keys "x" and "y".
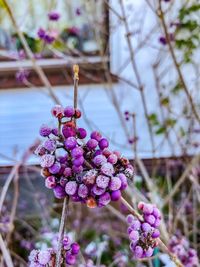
{"x": 54, "y": 15}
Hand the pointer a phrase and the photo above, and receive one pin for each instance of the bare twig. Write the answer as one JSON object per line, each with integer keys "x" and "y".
{"x": 6, "y": 253}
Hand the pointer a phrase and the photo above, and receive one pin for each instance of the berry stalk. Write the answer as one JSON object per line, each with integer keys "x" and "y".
{"x": 66, "y": 199}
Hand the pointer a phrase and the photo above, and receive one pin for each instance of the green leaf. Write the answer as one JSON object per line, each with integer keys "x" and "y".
{"x": 165, "y": 101}
{"x": 161, "y": 130}
{"x": 153, "y": 119}
{"x": 170, "y": 122}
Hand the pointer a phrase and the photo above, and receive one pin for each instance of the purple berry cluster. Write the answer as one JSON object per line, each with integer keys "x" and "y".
{"x": 86, "y": 171}
{"x": 143, "y": 234}
{"x": 180, "y": 246}
{"x": 47, "y": 257}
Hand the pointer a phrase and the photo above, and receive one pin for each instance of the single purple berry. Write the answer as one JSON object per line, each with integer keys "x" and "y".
{"x": 79, "y": 161}
{"x": 97, "y": 190}
{"x": 77, "y": 152}
{"x": 68, "y": 131}
{"x": 156, "y": 233}
{"x": 129, "y": 230}
{"x": 70, "y": 259}
{"x": 163, "y": 40}
{"x": 50, "y": 145}
{"x": 92, "y": 144}
{"x": 67, "y": 172}
{"x": 99, "y": 160}
{"x": 102, "y": 181}
{"x": 147, "y": 208}
{"x": 123, "y": 179}
{"x": 54, "y": 15}
{"x": 136, "y": 224}
{"x": 81, "y": 132}
{"x": 63, "y": 181}
{"x": 55, "y": 168}
{"x": 71, "y": 188}
{"x": 96, "y": 135}
{"x": 138, "y": 252}
{"x": 40, "y": 150}
{"x": 104, "y": 199}
{"x": 47, "y": 160}
{"x": 107, "y": 169}
{"x": 103, "y": 143}
{"x": 77, "y": 169}
{"x": 54, "y": 131}
{"x": 69, "y": 112}
{"x": 157, "y": 223}
{"x": 130, "y": 219}
{"x": 115, "y": 183}
{"x": 70, "y": 143}
{"x": 90, "y": 177}
{"x": 149, "y": 252}
{"x": 83, "y": 191}
{"x": 134, "y": 235}
{"x": 59, "y": 192}
{"x": 150, "y": 219}
{"x": 41, "y": 33}
{"x": 57, "y": 111}
{"x": 50, "y": 182}
{"x": 45, "y": 130}
{"x": 116, "y": 195}
{"x": 156, "y": 212}
{"x": 66, "y": 242}
{"x": 146, "y": 227}
{"x": 112, "y": 159}
{"x": 75, "y": 248}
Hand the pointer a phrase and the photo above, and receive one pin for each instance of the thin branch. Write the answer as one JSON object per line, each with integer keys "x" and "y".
{"x": 176, "y": 64}
{"x": 5, "y": 252}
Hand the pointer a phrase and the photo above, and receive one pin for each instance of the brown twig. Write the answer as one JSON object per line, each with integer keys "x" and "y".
{"x": 6, "y": 253}
{"x": 66, "y": 199}
{"x": 161, "y": 15}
